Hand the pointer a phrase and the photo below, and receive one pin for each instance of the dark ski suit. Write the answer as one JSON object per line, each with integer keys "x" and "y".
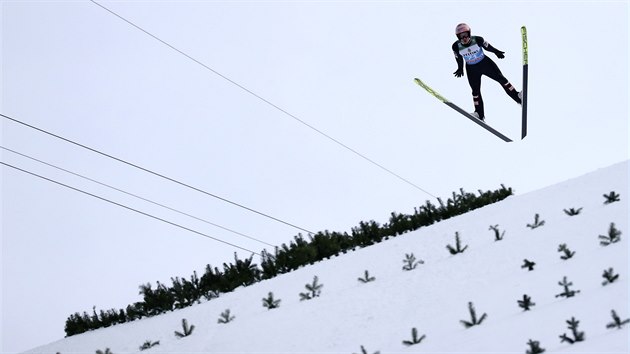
{"x": 478, "y": 64}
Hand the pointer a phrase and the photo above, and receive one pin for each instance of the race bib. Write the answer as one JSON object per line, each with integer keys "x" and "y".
{"x": 472, "y": 54}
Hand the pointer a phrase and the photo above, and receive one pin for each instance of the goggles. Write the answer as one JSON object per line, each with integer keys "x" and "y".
{"x": 463, "y": 35}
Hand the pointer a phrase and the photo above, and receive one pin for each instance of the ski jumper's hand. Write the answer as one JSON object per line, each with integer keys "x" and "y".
{"x": 494, "y": 50}
{"x": 459, "y": 72}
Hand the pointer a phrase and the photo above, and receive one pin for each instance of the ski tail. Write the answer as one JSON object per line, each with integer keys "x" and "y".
{"x": 525, "y": 74}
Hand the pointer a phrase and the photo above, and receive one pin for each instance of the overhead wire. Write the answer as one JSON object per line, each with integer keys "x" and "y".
{"x": 155, "y": 173}
{"x": 242, "y": 87}
{"x": 127, "y": 207}
{"x": 135, "y": 195}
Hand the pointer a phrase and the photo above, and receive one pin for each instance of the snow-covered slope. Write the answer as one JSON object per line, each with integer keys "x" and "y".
{"x": 434, "y": 297}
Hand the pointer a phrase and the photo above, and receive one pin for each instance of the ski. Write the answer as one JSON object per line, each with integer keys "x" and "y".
{"x": 524, "y": 98}
{"x": 458, "y": 109}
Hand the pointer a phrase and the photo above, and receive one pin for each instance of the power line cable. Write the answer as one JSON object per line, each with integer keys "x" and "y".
{"x": 128, "y": 208}
{"x": 265, "y": 100}
{"x": 155, "y": 173}
{"x": 135, "y": 196}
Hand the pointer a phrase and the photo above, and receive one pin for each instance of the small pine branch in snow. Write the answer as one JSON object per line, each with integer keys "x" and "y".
{"x": 473, "y": 317}
{"x": 567, "y": 292}
{"x": 211, "y": 295}
{"x": 528, "y": 264}
{"x": 314, "y": 288}
{"x": 613, "y": 236}
{"x": 410, "y": 262}
{"x": 414, "y": 338}
{"x": 611, "y": 197}
{"x": 537, "y": 222}
{"x": 367, "y": 278}
{"x": 186, "y": 330}
{"x": 148, "y": 345}
{"x": 534, "y": 347}
{"x": 567, "y": 252}
{"x": 270, "y": 303}
{"x": 225, "y": 317}
{"x": 498, "y": 236}
{"x": 617, "y": 322}
{"x": 610, "y": 276}
{"x": 107, "y": 351}
{"x": 573, "y": 211}
{"x": 458, "y": 247}
{"x": 363, "y": 351}
{"x": 577, "y": 335}
{"x": 526, "y": 303}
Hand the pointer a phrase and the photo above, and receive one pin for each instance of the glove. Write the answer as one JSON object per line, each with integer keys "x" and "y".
{"x": 500, "y": 54}
{"x": 459, "y": 72}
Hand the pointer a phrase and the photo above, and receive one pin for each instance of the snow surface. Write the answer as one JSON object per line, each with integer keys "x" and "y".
{"x": 432, "y": 298}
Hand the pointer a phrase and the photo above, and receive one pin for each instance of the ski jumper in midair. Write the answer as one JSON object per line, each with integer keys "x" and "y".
{"x": 471, "y": 50}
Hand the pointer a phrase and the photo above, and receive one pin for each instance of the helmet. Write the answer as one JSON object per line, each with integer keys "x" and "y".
{"x": 461, "y": 28}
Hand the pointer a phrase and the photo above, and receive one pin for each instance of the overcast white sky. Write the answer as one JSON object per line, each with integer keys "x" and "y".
{"x": 345, "y": 68}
